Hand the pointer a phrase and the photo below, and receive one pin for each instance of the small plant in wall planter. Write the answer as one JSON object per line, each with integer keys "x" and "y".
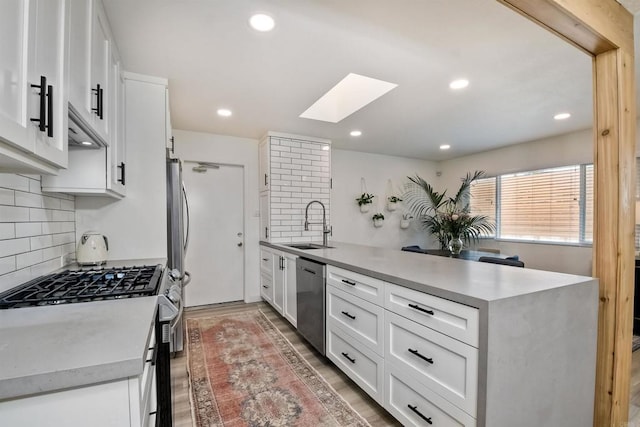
{"x": 406, "y": 220}
{"x": 392, "y": 203}
{"x": 377, "y": 220}
{"x": 365, "y": 201}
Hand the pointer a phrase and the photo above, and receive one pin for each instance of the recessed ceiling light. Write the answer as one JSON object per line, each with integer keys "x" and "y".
{"x": 562, "y": 116}
{"x": 459, "y": 84}
{"x": 445, "y": 146}
{"x": 355, "y": 133}
{"x": 262, "y": 22}
{"x": 345, "y": 98}
{"x": 223, "y": 112}
{"x": 86, "y": 143}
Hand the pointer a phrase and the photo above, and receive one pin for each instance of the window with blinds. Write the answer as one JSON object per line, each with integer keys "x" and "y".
{"x": 550, "y": 205}
{"x": 482, "y": 199}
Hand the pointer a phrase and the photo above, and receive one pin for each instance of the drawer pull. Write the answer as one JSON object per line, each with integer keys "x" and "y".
{"x": 350, "y": 359}
{"x": 415, "y": 409}
{"x": 348, "y": 282}
{"x": 417, "y": 353}
{"x": 350, "y": 316}
{"x": 424, "y": 310}
{"x": 265, "y": 286}
{"x": 265, "y": 259}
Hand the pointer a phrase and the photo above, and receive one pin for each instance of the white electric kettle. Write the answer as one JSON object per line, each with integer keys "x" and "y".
{"x": 92, "y": 249}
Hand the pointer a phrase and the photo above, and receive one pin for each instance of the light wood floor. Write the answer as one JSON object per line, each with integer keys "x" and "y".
{"x": 369, "y": 409}
{"x": 634, "y": 395}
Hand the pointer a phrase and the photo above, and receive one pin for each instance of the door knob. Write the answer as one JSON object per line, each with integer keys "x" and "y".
{"x": 240, "y": 244}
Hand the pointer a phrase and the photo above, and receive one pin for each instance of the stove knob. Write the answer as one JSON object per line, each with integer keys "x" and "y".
{"x": 175, "y": 274}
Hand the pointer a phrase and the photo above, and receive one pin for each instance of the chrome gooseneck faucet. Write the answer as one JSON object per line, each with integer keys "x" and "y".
{"x": 325, "y": 229}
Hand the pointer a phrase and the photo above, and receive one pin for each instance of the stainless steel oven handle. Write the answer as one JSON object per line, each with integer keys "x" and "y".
{"x": 186, "y": 279}
{"x": 175, "y": 320}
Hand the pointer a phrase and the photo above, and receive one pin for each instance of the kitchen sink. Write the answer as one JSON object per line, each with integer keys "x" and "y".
{"x": 307, "y": 246}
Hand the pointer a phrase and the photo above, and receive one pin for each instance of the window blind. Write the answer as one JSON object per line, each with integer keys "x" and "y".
{"x": 588, "y": 205}
{"x": 483, "y": 198}
{"x": 541, "y": 205}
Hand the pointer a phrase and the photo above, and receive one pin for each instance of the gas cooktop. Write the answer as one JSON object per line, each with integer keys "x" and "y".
{"x": 95, "y": 284}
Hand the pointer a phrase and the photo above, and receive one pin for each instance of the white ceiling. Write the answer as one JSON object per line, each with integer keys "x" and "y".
{"x": 520, "y": 74}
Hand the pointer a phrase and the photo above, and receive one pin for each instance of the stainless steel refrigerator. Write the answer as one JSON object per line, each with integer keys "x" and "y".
{"x": 177, "y": 240}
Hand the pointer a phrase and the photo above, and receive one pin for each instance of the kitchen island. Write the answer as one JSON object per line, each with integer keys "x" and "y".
{"x": 78, "y": 362}
{"x": 528, "y": 361}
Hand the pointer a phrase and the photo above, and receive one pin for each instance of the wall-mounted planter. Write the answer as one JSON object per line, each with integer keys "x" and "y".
{"x": 365, "y": 208}
{"x": 392, "y": 206}
{"x": 378, "y": 220}
{"x": 404, "y": 223}
{"x": 364, "y": 201}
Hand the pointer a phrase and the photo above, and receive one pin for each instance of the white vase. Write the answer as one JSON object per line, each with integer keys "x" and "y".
{"x": 365, "y": 208}
{"x": 404, "y": 223}
{"x": 392, "y": 206}
{"x": 378, "y": 223}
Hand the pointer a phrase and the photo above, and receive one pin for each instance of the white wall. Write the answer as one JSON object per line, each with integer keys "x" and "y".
{"x": 349, "y": 224}
{"x": 237, "y": 151}
{"x": 573, "y": 148}
{"x": 136, "y": 225}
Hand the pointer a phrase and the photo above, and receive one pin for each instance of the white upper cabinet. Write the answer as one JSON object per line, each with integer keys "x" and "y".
{"x": 100, "y": 62}
{"x": 116, "y": 150}
{"x": 33, "y": 96}
{"x": 90, "y": 59}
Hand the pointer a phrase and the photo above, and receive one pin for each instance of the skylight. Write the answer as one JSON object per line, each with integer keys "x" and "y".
{"x": 348, "y": 96}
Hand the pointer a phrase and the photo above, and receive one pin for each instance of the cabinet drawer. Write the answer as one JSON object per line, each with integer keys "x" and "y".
{"x": 361, "y": 319}
{"x": 365, "y": 287}
{"x": 445, "y": 365}
{"x": 456, "y": 320}
{"x": 266, "y": 287}
{"x": 410, "y": 401}
{"x": 266, "y": 262}
{"x": 362, "y": 365}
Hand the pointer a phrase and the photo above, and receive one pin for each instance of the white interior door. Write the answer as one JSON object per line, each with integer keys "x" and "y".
{"x": 215, "y": 257}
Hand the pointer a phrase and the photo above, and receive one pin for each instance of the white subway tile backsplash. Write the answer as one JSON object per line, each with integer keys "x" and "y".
{"x": 37, "y": 231}
{"x": 28, "y": 200}
{"x": 14, "y": 214}
{"x": 28, "y": 229}
{"x": 28, "y": 259}
{"x": 7, "y": 197}
{"x": 13, "y": 246}
{"x": 7, "y": 264}
{"x": 14, "y": 182}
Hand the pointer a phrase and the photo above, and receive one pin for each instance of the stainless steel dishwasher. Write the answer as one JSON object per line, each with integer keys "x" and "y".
{"x": 310, "y": 276}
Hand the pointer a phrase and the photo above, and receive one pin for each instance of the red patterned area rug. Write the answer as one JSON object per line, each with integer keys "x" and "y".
{"x": 244, "y": 372}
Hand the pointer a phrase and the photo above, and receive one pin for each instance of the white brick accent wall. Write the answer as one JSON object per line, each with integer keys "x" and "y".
{"x": 37, "y": 230}
{"x": 300, "y": 173}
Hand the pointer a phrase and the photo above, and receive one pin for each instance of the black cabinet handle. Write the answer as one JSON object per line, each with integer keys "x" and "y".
{"x": 350, "y": 359}
{"x": 266, "y": 232}
{"x": 265, "y": 179}
{"x": 49, "y": 125}
{"x": 348, "y": 282}
{"x": 417, "y": 353}
{"x": 122, "y": 171}
{"x": 43, "y": 104}
{"x": 99, "y": 100}
{"x": 281, "y": 263}
{"x": 265, "y": 259}
{"x": 424, "y": 310}
{"x": 265, "y": 286}
{"x": 350, "y": 316}
{"x": 415, "y": 409}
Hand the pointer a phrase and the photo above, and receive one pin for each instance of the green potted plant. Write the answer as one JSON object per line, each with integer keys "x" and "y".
{"x": 392, "y": 203}
{"x": 377, "y": 218}
{"x": 447, "y": 218}
{"x": 365, "y": 201}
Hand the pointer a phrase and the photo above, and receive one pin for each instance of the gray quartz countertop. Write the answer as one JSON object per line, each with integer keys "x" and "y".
{"x": 469, "y": 282}
{"x": 69, "y": 345}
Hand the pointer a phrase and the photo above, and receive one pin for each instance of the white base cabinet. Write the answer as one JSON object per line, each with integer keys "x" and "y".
{"x": 278, "y": 282}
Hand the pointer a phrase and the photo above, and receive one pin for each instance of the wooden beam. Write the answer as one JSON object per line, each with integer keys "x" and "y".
{"x": 595, "y": 26}
{"x": 604, "y": 29}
